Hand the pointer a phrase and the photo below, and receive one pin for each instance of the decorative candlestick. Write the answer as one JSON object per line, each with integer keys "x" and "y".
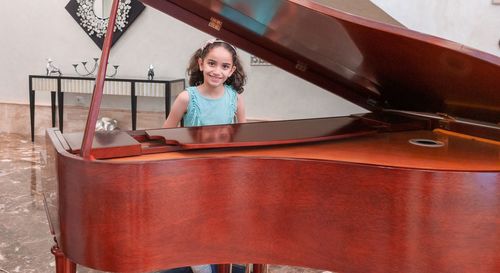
{"x": 90, "y": 72}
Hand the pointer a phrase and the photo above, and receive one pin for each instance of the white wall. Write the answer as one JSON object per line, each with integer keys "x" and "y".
{"x": 475, "y": 23}
{"x": 32, "y": 31}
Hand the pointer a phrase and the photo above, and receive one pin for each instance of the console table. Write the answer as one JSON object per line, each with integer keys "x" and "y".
{"x": 58, "y": 85}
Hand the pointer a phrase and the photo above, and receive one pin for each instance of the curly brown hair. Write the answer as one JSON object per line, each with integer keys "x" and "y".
{"x": 237, "y": 79}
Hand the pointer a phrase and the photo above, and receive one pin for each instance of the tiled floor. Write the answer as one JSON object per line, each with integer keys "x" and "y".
{"x": 25, "y": 240}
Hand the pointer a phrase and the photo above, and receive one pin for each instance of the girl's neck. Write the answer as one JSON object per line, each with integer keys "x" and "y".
{"x": 210, "y": 91}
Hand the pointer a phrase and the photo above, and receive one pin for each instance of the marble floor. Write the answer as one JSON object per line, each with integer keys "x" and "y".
{"x": 25, "y": 240}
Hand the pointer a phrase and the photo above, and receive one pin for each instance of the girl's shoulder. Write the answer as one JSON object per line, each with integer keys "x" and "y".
{"x": 183, "y": 96}
{"x": 184, "y": 93}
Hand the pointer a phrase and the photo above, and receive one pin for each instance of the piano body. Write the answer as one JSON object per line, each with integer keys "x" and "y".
{"x": 412, "y": 186}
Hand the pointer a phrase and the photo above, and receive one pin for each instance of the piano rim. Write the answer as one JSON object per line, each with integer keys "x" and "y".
{"x": 58, "y": 141}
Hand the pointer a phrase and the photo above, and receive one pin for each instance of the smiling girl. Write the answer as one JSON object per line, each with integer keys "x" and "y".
{"x": 216, "y": 80}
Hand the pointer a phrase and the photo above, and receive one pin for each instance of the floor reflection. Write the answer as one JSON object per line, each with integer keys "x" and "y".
{"x": 25, "y": 239}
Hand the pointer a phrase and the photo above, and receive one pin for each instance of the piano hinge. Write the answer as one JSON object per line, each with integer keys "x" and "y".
{"x": 445, "y": 121}
{"x": 215, "y": 23}
{"x": 301, "y": 66}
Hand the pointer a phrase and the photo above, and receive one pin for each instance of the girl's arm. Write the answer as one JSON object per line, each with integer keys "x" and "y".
{"x": 178, "y": 109}
{"x": 240, "y": 110}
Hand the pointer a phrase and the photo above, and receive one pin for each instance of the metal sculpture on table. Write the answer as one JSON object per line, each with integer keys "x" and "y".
{"x": 52, "y": 69}
{"x": 89, "y": 72}
{"x": 151, "y": 72}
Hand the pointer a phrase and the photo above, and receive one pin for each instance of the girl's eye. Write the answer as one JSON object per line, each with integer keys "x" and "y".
{"x": 226, "y": 66}
{"x": 211, "y": 63}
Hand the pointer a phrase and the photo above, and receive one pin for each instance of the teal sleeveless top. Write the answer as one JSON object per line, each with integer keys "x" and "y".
{"x": 207, "y": 111}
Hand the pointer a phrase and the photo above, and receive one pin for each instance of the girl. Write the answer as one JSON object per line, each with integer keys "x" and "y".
{"x": 216, "y": 80}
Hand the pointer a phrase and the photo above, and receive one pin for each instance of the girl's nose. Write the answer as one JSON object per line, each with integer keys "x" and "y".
{"x": 218, "y": 70}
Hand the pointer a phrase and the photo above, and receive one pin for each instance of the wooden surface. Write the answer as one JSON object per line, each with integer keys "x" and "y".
{"x": 385, "y": 149}
{"x": 263, "y": 133}
{"x": 106, "y": 144}
{"x": 364, "y": 204}
{"x": 327, "y": 214}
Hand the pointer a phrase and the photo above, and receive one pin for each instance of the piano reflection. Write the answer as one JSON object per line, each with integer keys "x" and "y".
{"x": 412, "y": 186}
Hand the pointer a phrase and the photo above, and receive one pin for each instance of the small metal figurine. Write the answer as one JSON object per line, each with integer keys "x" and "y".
{"x": 106, "y": 124}
{"x": 151, "y": 72}
{"x": 52, "y": 69}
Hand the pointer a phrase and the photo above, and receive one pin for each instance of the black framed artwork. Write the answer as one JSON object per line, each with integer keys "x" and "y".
{"x": 93, "y": 17}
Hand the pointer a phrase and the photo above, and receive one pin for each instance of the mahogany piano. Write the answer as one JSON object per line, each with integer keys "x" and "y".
{"x": 411, "y": 186}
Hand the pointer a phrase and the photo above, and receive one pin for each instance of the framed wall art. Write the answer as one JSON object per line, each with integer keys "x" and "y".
{"x": 93, "y": 17}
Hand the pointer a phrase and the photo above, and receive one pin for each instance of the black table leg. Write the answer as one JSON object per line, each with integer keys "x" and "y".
{"x": 167, "y": 99}
{"x": 53, "y": 107}
{"x": 32, "y": 112}
{"x": 133, "y": 101}
{"x": 60, "y": 104}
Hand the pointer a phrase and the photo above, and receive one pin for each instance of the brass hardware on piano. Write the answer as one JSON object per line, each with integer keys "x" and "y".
{"x": 301, "y": 66}
{"x": 215, "y": 23}
{"x": 445, "y": 121}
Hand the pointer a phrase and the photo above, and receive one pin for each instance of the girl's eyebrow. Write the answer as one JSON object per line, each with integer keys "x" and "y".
{"x": 211, "y": 60}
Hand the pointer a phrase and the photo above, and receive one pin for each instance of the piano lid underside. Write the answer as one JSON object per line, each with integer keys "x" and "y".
{"x": 371, "y": 64}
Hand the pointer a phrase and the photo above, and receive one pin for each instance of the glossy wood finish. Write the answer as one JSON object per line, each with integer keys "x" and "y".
{"x": 63, "y": 264}
{"x": 370, "y": 203}
{"x": 260, "y": 268}
{"x": 263, "y": 133}
{"x": 340, "y": 216}
{"x": 371, "y": 64}
{"x": 114, "y": 144}
{"x": 106, "y": 144}
{"x": 223, "y": 268}
{"x": 390, "y": 149}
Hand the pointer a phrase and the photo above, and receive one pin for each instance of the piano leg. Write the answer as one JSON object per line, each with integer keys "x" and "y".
{"x": 63, "y": 264}
{"x": 259, "y": 268}
{"x": 223, "y": 268}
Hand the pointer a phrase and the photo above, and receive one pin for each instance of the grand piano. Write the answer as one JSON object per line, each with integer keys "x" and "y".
{"x": 411, "y": 186}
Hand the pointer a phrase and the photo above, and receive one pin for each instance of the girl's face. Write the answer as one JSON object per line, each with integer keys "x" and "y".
{"x": 217, "y": 66}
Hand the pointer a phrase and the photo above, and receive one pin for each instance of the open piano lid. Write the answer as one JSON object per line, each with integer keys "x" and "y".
{"x": 371, "y": 64}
